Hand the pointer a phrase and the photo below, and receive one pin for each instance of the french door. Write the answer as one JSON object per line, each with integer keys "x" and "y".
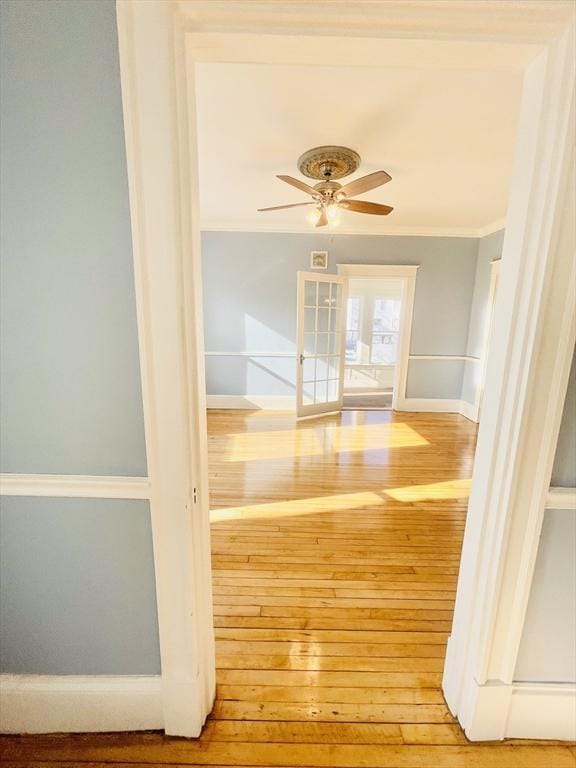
{"x": 320, "y": 346}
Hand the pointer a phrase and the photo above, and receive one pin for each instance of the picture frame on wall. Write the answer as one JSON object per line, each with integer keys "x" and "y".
{"x": 318, "y": 259}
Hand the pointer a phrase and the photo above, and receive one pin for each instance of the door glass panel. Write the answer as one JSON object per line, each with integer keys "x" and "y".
{"x": 309, "y": 343}
{"x": 334, "y": 367}
{"x": 322, "y": 343}
{"x": 332, "y": 390}
{"x": 385, "y": 327}
{"x": 309, "y": 293}
{"x": 334, "y": 346}
{"x": 309, "y": 369}
{"x": 353, "y": 329}
{"x": 321, "y": 368}
{"x": 336, "y": 295}
{"x": 334, "y": 319}
{"x": 308, "y": 393}
{"x": 309, "y": 319}
{"x": 324, "y": 294}
{"x": 323, "y": 319}
{"x": 321, "y": 391}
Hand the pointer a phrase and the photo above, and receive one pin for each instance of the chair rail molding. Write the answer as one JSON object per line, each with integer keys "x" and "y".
{"x": 78, "y": 486}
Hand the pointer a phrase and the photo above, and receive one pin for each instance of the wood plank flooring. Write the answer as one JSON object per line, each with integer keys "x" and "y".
{"x": 336, "y": 545}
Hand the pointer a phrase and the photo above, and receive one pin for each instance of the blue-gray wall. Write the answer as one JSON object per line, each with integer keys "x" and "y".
{"x": 549, "y": 636}
{"x": 546, "y": 652}
{"x": 77, "y": 581}
{"x": 250, "y": 304}
{"x": 70, "y": 383}
{"x": 489, "y": 250}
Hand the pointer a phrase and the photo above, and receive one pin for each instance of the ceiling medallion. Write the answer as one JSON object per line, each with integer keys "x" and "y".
{"x": 328, "y": 163}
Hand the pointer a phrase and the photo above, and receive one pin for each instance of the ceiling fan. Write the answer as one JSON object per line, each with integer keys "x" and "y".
{"x": 328, "y": 196}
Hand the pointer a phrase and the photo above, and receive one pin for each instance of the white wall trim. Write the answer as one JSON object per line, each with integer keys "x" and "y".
{"x": 252, "y": 402}
{"x": 384, "y": 271}
{"x": 495, "y": 267}
{"x": 494, "y": 226}
{"x": 288, "y": 403}
{"x": 542, "y": 711}
{"x": 526, "y": 383}
{"x": 468, "y": 410}
{"x": 293, "y": 355}
{"x": 159, "y": 123}
{"x": 561, "y": 498}
{"x": 52, "y": 704}
{"x": 526, "y": 374}
{"x": 391, "y": 231}
{"x": 406, "y": 273}
{"x": 429, "y": 405}
{"x": 251, "y": 354}
{"x": 445, "y": 357}
{"x": 523, "y": 711}
{"x": 437, "y": 405}
{"x": 77, "y": 486}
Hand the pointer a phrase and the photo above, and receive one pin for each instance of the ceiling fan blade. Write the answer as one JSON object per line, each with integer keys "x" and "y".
{"x": 323, "y": 220}
{"x": 299, "y": 185}
{"x": 366, "y": 183}
{"x": 293, "y": 205}
{"x": 363, "y": 206}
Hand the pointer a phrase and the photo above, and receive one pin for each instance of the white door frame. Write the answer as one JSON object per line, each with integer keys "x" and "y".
{"x": 486, "y": 336}
{"x": 526, "y": 376}
{"x": 406, "y": 274}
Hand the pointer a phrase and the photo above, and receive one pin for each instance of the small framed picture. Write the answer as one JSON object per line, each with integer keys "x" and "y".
{"x": 319, "y": 259}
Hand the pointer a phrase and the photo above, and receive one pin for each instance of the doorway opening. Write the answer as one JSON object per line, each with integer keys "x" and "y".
{"x": 169, "y": 400}
{"x": 373, "y": 312}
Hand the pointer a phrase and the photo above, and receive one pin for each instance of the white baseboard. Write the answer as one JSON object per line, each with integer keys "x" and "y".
{"x": 429, "y": 405}
{"x": 252, "y": 402}
{"x": 496, "y": 711}
{"x": 542, "y": 711}
{"x": 71, "y": 703}
{"x": 288, "y": 403}
{"x": 468, "y": 410}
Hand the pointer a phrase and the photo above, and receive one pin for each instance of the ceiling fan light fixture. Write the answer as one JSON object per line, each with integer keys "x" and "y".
{"x": 329, "y": 196}
{"x": 333, "y": 213}
{"x": 313, "y": 216}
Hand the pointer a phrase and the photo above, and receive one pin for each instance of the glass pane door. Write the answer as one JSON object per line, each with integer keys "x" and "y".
{"x": 321, "y": 322}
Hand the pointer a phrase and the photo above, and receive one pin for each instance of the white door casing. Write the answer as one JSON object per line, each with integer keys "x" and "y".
{"x": 406, "y": 273}
{"x": 159, "y": 43}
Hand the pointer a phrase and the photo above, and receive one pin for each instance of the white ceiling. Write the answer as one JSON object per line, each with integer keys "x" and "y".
{"x": 445, "y": 134}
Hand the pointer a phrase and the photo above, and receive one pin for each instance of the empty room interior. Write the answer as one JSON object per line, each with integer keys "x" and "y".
{"x": 247, "y": 366}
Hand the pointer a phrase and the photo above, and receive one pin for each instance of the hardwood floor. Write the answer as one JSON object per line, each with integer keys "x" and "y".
{"x": 336, "y": 545}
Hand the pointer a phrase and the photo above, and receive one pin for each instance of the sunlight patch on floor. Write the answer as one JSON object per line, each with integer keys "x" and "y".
{"x": 314, "y": 441}
{"x": 277, "y": 444}
{"x": 296, "y": 507}
{"x": 369, "y": 437}
{"x": 451, "y": 489}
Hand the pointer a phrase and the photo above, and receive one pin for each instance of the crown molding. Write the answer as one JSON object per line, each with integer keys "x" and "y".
{"x": 390, "y": 232}
{"x": 495, "y": 226}
{"x": 524, "y": 21}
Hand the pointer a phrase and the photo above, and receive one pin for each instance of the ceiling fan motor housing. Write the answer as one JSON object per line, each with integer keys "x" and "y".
{"x": 328, "y": 163}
